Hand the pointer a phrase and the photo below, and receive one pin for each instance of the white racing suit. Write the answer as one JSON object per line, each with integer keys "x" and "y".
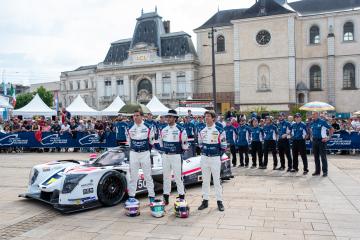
{"x": 141, "y": 138}
{"x": 212, "y": 141}
{"x": 173, "y": 141}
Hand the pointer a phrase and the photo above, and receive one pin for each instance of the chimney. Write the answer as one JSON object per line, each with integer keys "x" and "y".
{"x": 166, "y": 26}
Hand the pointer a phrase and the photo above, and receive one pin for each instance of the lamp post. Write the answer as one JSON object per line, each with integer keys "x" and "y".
{"x": 211, "y": 36}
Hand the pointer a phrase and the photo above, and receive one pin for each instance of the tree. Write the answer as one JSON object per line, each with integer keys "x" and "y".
{"x": 25, "y": 98}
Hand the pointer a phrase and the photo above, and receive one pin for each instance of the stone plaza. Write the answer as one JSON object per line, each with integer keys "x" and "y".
{"x": 258, "y": 205}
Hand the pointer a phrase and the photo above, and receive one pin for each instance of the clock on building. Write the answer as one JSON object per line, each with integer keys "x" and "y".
{"x": 263, "y": 37}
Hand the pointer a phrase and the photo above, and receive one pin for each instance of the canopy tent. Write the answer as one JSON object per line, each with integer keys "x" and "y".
{"x": 156, "y": 107}
{"x": 36, "y": 107}
{"x": 114, "y": 108}
{"x": 4, "y": 102}
{"x": 79, "y": 108}
{"x": 182, "y": 111}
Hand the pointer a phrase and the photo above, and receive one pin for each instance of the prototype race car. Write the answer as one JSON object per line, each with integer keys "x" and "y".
{"x": 71, "y": 185}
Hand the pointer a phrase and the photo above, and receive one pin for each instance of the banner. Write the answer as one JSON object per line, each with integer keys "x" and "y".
{"x": 341, "y": 140}
{"x": 56, "y": 140}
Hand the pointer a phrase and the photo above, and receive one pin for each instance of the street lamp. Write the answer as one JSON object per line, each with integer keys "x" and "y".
{"x": 211, "y": 36}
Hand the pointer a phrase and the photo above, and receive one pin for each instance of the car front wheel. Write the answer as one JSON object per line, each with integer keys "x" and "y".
{"x": 111, "y": 188}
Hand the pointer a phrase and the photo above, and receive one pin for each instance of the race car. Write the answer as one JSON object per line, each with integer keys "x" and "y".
{"x": 72, "y": 185}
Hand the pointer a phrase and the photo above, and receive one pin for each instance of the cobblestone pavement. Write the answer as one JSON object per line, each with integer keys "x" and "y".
{"x": 258, "y": 205}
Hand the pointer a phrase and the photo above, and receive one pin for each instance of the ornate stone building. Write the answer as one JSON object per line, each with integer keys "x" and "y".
{"x": 276, "y": 54}
{"x": 153, "y": 62}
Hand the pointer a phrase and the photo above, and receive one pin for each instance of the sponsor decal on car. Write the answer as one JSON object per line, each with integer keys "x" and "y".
{"x": 88, "y": 191}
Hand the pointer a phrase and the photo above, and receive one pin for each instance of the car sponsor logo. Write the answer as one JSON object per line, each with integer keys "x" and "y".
{"x": 81, "y": 169}
{"x": 53, "y": 139}
{"x": 88, "y": 199}
{"x": 11, "y": 140}
{"x": 88, "y": 191}
{"x": 90, "y": 139}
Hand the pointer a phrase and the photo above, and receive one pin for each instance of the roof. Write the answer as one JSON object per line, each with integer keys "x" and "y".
{"x": 88, "y": 67}
{"x": 264, "y": 8}
{"x": 118, "y": 52}
{"x": 222, "y": 18}
{"x": 305, "y": 7}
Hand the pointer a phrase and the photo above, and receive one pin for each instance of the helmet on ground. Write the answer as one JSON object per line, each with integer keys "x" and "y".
{"x": 157, "y": 208}
{"x": 132, "y": 207}
{"x": 181, "y": 208}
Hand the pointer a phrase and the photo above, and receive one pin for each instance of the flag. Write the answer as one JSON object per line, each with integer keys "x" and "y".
{"x": 13, "y": 94}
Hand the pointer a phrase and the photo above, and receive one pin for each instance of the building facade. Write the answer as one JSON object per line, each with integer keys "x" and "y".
{"x": 153, "y": 62}
{"x": 277, "y": 54}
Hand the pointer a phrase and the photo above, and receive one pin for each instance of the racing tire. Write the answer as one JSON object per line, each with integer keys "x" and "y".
{"x": 111, "y": 188}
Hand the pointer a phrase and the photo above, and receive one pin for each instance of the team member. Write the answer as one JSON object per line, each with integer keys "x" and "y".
{"x": 284, "y": 129}
{"x": 257, "y": 136}
{"x": 242, "y": 142}
{"x": 191, "y": 131}
{"x": 141, "y": 138}
{"x": 173, "y": 142}
{"x": 212, "y": 141}
{"x": 319, "y": 139}
{"x": 270, "y": 136}
{"x": 299, "y": 132}
{"x": 231, "y": 135}
{"x": 121, "y": 128}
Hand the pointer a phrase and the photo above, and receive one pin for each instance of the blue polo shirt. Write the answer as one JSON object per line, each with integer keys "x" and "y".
{"x": 318, "y": 128}
{"x": 298, "y": 131}
{"x": 121, "y": 128}
{"x": 284, "y": 127}
{"x": 230, "y": 134}
{"x": 270, "y": 132}
{"x": 243, "y": 133}
{"x": 257, "y": 134}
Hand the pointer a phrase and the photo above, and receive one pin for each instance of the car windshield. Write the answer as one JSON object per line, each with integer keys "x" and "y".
{"x": 111, "y": 158}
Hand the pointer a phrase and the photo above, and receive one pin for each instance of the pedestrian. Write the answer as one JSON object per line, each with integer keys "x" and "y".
{"x": 173, "y": 142}
{"x": 121, "y": 128}
{"x": 257, "y": 136}
{"x": 299, "y": 133}
{"x": 270, "y": 136}
{"x": 190, "y": 131}
{"x": 212, "y": 141}
{"x": 319, "y": 140}
{"x": 284, "y": 129}
{"x": 242, "y": 142}
{"x": 140, "y": 136}
{"x": 231, "y": 135}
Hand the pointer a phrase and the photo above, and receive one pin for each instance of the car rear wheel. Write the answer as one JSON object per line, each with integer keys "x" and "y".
{"x": 111, "y": 188}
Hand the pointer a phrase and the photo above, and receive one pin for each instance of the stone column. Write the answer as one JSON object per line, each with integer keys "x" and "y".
{"x": 132, "y": 90}
{"x": 127, "y": 93}
{"x": 292, "y": 62}
{"x": 236, "y": 65}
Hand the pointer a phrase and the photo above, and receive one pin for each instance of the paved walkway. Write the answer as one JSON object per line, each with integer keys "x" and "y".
{"x": 259, "y": 205}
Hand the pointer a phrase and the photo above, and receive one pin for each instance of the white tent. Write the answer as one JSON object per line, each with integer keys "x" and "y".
{"x": 156, "y": 107}
{"x": 182, "y": 111}
{"x": 79, "y": 108}
{"x": 114, "y": 108}
{"x": 36, "y": 107}
{"x": 4, "y": 102}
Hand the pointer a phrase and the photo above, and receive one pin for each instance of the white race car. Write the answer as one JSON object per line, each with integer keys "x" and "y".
{"x": 71, "y": 185}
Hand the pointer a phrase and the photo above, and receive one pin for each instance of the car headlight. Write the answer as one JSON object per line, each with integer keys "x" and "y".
{"x": 71, "y": 181}
{"x": 33, "y": 176}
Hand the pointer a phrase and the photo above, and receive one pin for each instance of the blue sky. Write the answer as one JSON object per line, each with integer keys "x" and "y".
{"x": 41, "y": 38}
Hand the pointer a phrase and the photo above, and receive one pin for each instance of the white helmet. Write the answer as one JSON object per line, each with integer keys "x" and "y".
{"x": 132, "y": 207}
{"x": 157, "y": 208}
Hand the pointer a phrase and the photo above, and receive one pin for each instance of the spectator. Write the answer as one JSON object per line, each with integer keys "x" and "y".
{"x": 35, "y": 126}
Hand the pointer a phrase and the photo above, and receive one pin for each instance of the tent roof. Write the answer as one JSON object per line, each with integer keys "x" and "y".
{"x": 4, "y": 102}
{"x": 35, "y": 107}
{"x": 80, "y": 108}
{"x": 114, "y": 108}
{"x": 182, "y": 111}
{"x": 156, "y": 107}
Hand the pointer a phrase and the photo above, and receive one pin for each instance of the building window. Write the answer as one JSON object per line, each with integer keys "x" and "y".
{"x": 107, "y": 87}
{"x": 314, "y": 35}
{"x": 71, "y": 86}
{"x": 349, "y": 76}
{"x": 166, "y": 79}
{"x": 181, "y": 82}
{"x": 348, "y": 32}
{"x": 120, "y": 87}
{"x": 78, "y": 85}
{"x": 301, "y": 98}
{"x": 86, "y": 84}
{"x": 315, "y": 78}
{"x": 263, "y": 78}
{"x": 220, "y": 43}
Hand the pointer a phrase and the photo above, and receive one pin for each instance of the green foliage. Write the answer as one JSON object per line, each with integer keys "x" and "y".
{"x": 25, "y": 98}
{"x": 296, "y": 109}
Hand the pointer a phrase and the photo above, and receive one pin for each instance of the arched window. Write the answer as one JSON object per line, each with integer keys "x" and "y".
{"x": 348, "y": 32}
{"x": 314, "y": 35}
{"x": 220, "y": 43}
{"x": 349, "y": 76}
{"x": 301, "y": 98}
{"x": 263, "y": 78}
{"x": 315, "y": 78}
